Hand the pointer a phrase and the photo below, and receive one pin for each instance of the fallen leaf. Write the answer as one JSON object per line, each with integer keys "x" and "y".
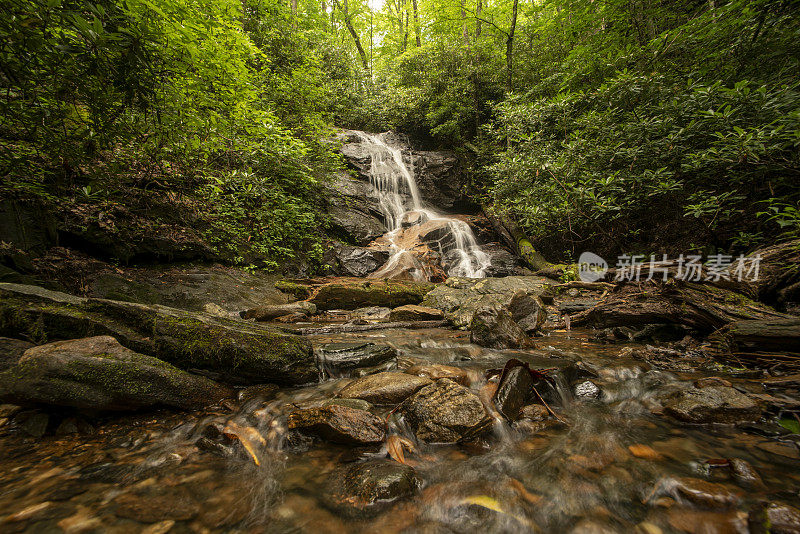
{"x": 247, "y": 436}
{"x": 395, "y": 445}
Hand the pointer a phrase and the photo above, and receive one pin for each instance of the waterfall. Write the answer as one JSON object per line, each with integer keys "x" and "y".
{"x": 400, "y": 201}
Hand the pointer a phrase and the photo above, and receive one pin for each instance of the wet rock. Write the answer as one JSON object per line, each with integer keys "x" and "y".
{"x": 705, "y": 494}
{"x": 172, "y": 504}
{"x": 412, "y": 312}
{"x": 513, "y": 392}
{"x": 777, "y": 518}
{"x": 528, "y": 311}
{"x": 700, "y": 522}
{"x": 444, "y": 412}
{"x": 237, "y": 351}
{"x": 714, "y": 404}
{"x": 354, "y": 294}
{"x": 273, "y": 311}
{"x": 745, "y": 474}
{"x": 215, "y": 447}
{"x": 495, "y": 328}
{"x": 711, "y": 381}
{"x": 341, "y": 357}
{"x": 384, "y": 388}
{"x": 35, "y": 425}
{"x": 640, "y": 450}
{"x": 534, "y": 412}
{"x": 460, "y": 298}
{"x": 356, "y": 404}
{"x": 347, "y": 260}
{"x": 11, "y": 351}
{"x": 574, "y": 306}
{"x": 339, "y": 424}
{"x": 352, "y": 206}
{"x": 503, "y": 262}
{"x": 367, "y": 487}
{"x": 98, "y": 373}
{"x": 262, "y": 392}
{"x": 586, "y": 389}
{"x": 371, "y": 313}
{"x": 435, "y": 371}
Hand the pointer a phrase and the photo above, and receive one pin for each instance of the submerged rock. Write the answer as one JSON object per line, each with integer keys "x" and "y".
{"x": 354, "y": 294}
{"x": 495, "y": 328}
{"x": 703, "y": 493}
{"x": 233, "y": 350}
{"x": 714, "y": 404}
{"x": 384, "y": 388}
{"x": 444, "y": 412}
{"x": 412, "y": 312}
{"x": 435, "y": 371}
{"x": 98, "y": 373}
{"x": 340, "y": 424}
{"x": 363, "y": 488}
{"x": 342, "y": 357}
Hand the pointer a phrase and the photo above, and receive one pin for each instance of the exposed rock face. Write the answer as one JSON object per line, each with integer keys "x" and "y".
{"x": 11, "y": 350}
{"x": 353, "y": 209}
{"x": 445, "y": 412}
{"x": 353, "y": 294}
{"x": 460, "y": 298}
{"x": 528, "y": 311}
{"x": 234, "y": 350}
{"x": 504, "y": 263}
{"x": 715, "y": 404}
{"x": 346, "y": 260}
{"x": 366, "y": 487}
{"x": 494, "y": 327}
{"x": 412, "y": 312}
{"x": 98, "y": 373}
{"x": 268, "y": 313}
{"x": 342, "y": 357}
{"x": 340, "y": 424}
{"x": 384, "y": 388}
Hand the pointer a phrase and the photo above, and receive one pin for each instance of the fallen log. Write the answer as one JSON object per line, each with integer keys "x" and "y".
{"x": 346, "y": 328}
{"x": 765, "y": 342}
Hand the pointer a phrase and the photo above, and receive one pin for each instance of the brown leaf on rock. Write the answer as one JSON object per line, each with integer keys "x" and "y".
{"x": 395, "y": 445}
{"x": 248, "y": 436}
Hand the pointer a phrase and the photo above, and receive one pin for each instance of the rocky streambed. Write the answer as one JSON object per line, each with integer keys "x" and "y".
{"x": 154, "y": 419}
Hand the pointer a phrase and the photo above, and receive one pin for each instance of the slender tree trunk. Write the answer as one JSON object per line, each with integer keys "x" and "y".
{"x": 353, "y": 33}
{"x": 405, "y": 34}
{"x": 510, "y": 48}
{"x": 294, "y": 7}
{"x": 464, "y": 29}
{"x": 478, "y": 11}
{"x": 417, "y": 29}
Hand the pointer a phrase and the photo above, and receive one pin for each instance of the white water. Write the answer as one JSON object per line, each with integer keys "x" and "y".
{"x": 398, "y": 195}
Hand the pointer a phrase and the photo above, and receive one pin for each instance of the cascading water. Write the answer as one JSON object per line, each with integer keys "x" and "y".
{"x": 400, "y": 201}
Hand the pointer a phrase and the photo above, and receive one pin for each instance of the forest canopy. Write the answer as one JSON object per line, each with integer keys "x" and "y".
{"x": 607, "y": 124}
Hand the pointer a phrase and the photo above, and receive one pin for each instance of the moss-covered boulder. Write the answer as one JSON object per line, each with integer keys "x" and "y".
{"x": 99, "y": 374}
{"x": 357, "y": 293}
{"x": 231, "y": 350}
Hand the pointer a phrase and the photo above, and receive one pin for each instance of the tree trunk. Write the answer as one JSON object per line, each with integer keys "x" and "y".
{"x": 353, "y": 33}
{"x": 464, "y": 29}
{"x": 478, "y": 11}
{"x": 510, "y": 48}
{"x": 417, "y": 29}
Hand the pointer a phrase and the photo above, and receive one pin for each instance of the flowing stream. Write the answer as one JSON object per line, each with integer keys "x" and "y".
{"x": 402, "y": 207}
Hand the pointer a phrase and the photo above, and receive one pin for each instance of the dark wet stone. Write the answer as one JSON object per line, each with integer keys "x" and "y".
{"x": 365, "y": 488}
{"x": 98, "y": 373}
{"x": 262, "y": 392}
{"x": 534, "y": 412}
{"x": 775, "y": 518}
{"x": 215, "y": 447}
{"x": 11, "y": 351}
{"x": 383, "y": 388}
{"x": 339, "y": 424}
{"x": 339, "y": 357}
{"x": 445, "y": 412}
{"x": 347, "y": 260}
{"x": 35, "y": 425}
{"x": 714, "y": 404}
{"x": 513, "y": 392}
{"x": 527, "y": 310}
{"x": 745, "y": 474}
{"x": 495, "y": 328}
{"x": 571, "y": 307}
{"x": 176, "y": 504}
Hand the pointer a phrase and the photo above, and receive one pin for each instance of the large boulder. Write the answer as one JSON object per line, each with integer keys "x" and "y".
{"x": 347, "y": 260}
{"x": 233, "y": 350}
{"x": 384, "y": 388}
{"x": 98, "y": 373}
{"x": 445, "y": 412}
{"x": 340, "y": 424}
{"x": 273, "y": 311}
{"x": 715, "y": 404}
{"x": 527, "y": 310}
{"x": 353, "y": 294}
{"x": 460, "y": 298}
{"x": 412, "y": 312}
{"x": 494, "y": 327}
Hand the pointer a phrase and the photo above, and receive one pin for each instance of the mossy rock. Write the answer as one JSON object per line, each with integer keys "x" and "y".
{"x": 351, "y": 295}
{"x": 231, "y": 350}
